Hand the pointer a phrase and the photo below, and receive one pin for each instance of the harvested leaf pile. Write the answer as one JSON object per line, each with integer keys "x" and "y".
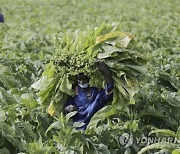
{"x": 79, "y": 52}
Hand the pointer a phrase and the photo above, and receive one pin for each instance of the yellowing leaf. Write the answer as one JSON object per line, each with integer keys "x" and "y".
{"x": 51, "y": 109}
{"x": 125, "y": 41}
{"x": 110, "y": 35}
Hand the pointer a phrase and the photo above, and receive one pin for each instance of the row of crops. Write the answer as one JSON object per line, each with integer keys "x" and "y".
{"x": 31, "y": 40}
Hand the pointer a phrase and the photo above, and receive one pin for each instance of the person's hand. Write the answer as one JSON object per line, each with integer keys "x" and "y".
{"x": 102, "y": 67}
{"x": 105, "y": 71}
{"x": 70, "y": 108}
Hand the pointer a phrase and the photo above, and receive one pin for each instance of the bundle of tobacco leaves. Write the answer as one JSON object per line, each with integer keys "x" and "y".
{"x": 79, "y": 52}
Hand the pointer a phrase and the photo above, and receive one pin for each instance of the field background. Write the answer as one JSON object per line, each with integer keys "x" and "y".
{"x": 26, "y": 45}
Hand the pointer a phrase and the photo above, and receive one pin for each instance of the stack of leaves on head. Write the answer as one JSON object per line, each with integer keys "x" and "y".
{"x": 79, "y": 52}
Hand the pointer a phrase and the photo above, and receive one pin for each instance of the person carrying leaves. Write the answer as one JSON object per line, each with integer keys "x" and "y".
{"x": 88, "y": 100}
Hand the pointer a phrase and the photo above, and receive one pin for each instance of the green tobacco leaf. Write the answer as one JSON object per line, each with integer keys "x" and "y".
{"x": 6, "y": 98}
{"x": 46, "y": 88}
{"x": 28, "y": 131}
{"x": 169, "y": 146}
{"x": 9, "y": 133}
{"x": 38, "y": 85}
{"x": 170, "y": 79}
{"x": 57, "y": 100}
{"x": 119, "y": 84}
{"x": 6, "y": 77}
{"x": 128, "y": 90}
{"x": 102, "y": 114}
{"x": 172, "y": 98}
{"x": 80, "y": 136}
{"x": 164, "y": 132}
{"x": 91, "y": 148}
{"x": 28, "y": 100}
{"x": 55, "y": 125}
{"x": 103, "y": 149}
{"x": 108, "y": 50}
{"x": 49, "y": 70}
{"x": 59, "y": 105}
{"x": 46, "y": 83}
{"x": 153, "y": 112}
{"x": 66, "y": 85}
{"x": 141, "y": 69}
{"x": 78, "y": 124}
{"x": 71, "y": 114}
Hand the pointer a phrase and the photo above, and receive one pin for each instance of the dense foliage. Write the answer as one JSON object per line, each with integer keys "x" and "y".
{"x": 34, "y": 32}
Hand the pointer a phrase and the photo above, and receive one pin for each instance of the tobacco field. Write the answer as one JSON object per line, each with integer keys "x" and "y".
{"x": 44, "y": 44}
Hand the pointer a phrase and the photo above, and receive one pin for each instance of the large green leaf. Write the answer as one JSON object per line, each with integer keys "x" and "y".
{"x": 164, "y": 132}
{"x": 172, "y": 98}
{"x": 6, "y": 98}
{"x": 66, "y": 85}
{"x": 6, "y": 77}
{"x": 108, "y": 50}
{"x": 55, "y": 125}
{"x": 102, "y": 114}
{"x": 169, "y": 146}
{"x": 103, "y": 149}
{"x": 28, "y": 100}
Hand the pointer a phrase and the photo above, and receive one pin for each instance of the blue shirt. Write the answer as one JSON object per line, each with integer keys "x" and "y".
{"x": 1, "y": 18}
{"x": 87, "y": 106}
